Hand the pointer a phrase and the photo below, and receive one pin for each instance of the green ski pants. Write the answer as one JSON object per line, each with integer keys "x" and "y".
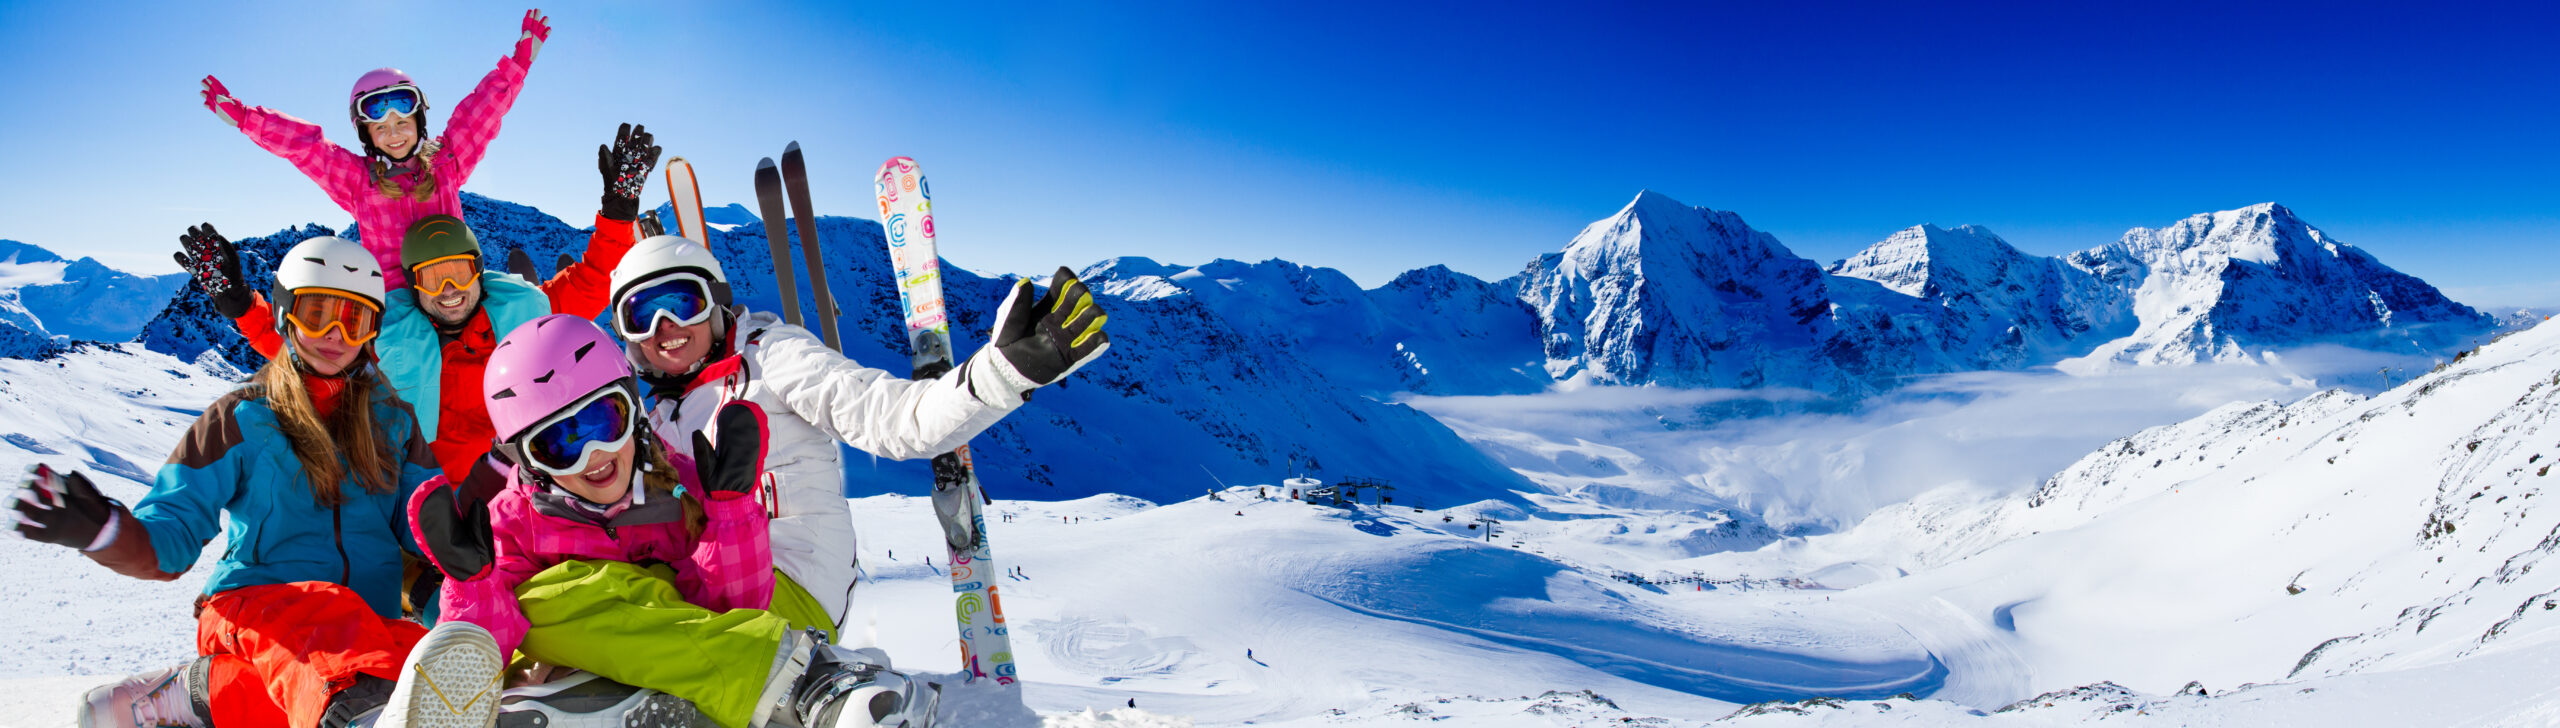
{"x": 628, "y": 624}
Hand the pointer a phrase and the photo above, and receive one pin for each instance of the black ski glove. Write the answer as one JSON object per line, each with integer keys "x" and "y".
{"x": 625, "y": 167}
{"x": 736, "y": 464}
{"x": 451, "y": 522}
{"x": 63, "y": 509}
{"x": 215, "y": 265}
{"x": 1046, "y": 340}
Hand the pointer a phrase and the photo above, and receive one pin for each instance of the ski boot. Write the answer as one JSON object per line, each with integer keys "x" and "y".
{"x": 855, "y": 688}
{"x": 450, "y": 681}
{"x": 586, "y": 700}
{"x": 169, "y": 696}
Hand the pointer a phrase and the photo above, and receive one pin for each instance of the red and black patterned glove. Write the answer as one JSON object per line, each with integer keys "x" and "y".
{"x": 625, "y": 166}
{"x": 214, "y": 263}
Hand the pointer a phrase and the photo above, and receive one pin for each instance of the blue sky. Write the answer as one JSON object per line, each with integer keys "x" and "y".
{"x": 1368, "y": 139}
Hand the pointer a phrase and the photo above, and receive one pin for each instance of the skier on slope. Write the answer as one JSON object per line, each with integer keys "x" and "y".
{"x": 437, "y": 333}
{"x": 556, "y": 564}
{"x": 403, "y": 174}
{"x": 695, "y": 352}
{"x": 309, "y": 464}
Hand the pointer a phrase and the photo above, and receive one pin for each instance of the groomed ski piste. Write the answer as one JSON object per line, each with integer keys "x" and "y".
{"x": 2330, "y": 559}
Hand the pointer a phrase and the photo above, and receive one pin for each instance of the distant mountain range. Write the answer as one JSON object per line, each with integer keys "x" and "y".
{"x": 1664, "y": 293}
{"x": 1247, "y": 372}
{"x": 48, "y": 301}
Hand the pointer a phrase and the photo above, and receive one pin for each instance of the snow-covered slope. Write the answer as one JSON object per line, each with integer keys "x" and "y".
{"x": 2229, "y": 285}
{"x": 2260, "y": 542}
{"x": 1431, "y": 330}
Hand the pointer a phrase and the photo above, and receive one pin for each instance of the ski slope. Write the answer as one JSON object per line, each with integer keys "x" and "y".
{"x": 2335, "y": 559}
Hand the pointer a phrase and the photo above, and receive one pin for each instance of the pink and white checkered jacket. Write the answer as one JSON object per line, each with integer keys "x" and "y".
{"x": 730, "y": 566}
{"x": 348, "y": 179}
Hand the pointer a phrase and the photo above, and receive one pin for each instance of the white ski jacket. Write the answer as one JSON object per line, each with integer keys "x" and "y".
{"x": 813, "y": 398}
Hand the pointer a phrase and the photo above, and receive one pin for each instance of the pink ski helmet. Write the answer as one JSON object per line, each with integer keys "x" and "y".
{"x": 376, "y": 80}
{"x": 547, "y": 365}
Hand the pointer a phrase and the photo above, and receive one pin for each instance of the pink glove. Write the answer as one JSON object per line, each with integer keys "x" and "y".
{"x": 218, "y": 99}
{"x": 537, "y": 28}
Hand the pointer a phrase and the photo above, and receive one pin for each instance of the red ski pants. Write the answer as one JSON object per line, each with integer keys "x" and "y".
{"x": 280, "y": 650}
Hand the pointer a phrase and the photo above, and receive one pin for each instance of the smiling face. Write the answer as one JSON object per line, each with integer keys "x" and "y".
{"x": 394, "y": 136}
{"x": 452, "y": 307}
{"x": 674, "y": 348}
{"x": 328, "y": 355}
{"x": 607, "y": 477}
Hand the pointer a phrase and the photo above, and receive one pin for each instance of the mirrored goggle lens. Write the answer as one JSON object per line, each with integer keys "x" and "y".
{"x": 681, "y": 299}
{"x": 316, "y": 312}
{"x": 436, "y": 277}
{"x": 387, "y": 103}
{"x": 560, "y": 445}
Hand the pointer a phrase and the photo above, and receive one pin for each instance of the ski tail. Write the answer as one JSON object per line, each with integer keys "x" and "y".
{"x": 688, "y": 201}
{"x": 769, "y": 203}
{"x": 795, "y": 181}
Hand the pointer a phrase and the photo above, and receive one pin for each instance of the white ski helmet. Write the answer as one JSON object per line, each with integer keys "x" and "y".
{"x": 329, "y": 262}
{"x": 666, "y": 254}
{"x": 660, "y": 256}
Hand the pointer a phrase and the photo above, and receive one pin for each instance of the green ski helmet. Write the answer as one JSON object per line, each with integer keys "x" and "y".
{"x": 439, "y": 238}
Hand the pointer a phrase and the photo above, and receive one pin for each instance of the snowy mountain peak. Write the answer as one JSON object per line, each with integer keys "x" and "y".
{"x": 12, "y": 251}
{"x": 1665, "y": 293}
{"x": 2226, "y": 286}
{"x": 1911, "y": 259}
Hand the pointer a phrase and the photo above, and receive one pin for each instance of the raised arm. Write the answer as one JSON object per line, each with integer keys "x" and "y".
{"x": 340, "y": 173}
{"x": 213, "y": 262}
{"x": 462, "y": 532}
{"x": 868, "y": 408}
{"x": 580, "y": 288}
{"x": 731, "y": 566}
{"x": 1039, "y": 338}
{"x": 476, "y": 118}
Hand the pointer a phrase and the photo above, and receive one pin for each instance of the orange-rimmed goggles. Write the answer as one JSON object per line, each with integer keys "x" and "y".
{"x": 317, "y": 310}
{"x": 449, "y": 273}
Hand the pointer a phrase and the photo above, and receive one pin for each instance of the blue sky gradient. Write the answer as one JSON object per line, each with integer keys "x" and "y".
{"x": 1368, "y": 139}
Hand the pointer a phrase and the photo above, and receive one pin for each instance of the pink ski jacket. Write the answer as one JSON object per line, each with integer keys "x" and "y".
{"x": 730, "y": 566}
{"x": 348, "y": 179}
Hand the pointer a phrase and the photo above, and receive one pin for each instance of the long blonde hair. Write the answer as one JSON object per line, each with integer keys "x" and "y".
{"x": 389, "y": 184}
{"x": 318, "y": 443}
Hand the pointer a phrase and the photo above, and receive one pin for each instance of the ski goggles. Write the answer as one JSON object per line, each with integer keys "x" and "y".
{"x": 602, "y": 421}
{"x": 316, "y": 311}
{"x": 447, "y": 274}
{"x": 683, "y": 298}
{"x": 381, "y": 104}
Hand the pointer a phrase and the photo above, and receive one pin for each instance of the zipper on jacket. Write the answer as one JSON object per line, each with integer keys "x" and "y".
{"x": 338, "y": 531}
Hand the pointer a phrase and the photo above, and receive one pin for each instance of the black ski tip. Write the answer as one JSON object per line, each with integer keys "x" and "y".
{"x": 792, "y": 148}
{"x": 764, "y": 164}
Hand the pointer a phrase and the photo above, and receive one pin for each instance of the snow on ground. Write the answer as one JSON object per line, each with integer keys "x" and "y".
{"x": 2333, "y": 560}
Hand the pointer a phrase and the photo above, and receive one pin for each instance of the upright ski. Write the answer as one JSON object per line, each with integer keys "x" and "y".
{"x": 906, "y": 217}
{"x": 688, "y": 201}
{"x": 522, "y": 265}
{"x": 795, "y": 179}
{"x": 769, "y": 204}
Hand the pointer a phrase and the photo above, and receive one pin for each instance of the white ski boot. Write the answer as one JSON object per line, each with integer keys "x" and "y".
{"x": 169, "y": 696}
{"x": 855, "y": 688}
{"x": 450, "y": 681}
{"x": 586, "y": 700}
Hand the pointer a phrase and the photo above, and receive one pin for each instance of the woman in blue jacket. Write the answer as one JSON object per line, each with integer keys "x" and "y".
{"x": 300, "y": 622}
